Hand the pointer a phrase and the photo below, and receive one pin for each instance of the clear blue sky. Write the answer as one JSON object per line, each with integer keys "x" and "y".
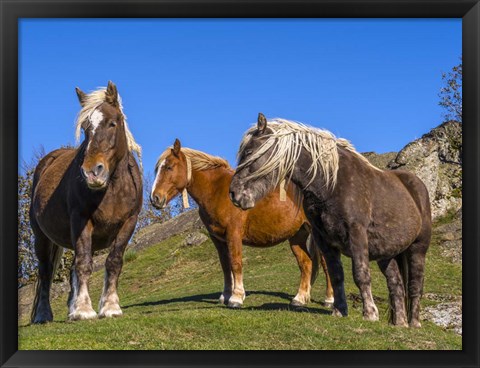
{"x": 374, "y": 82}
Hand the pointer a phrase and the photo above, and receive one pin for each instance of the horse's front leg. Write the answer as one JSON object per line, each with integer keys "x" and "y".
{"x": 109, "y": 302}
{"x": 226, "y": 268}
{"x": 79, "y": 303}
{"x": 361, "y": 270}
{"x": 234, "y": 243}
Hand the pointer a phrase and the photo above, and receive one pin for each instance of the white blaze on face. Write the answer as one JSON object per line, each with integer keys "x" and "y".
{"x": 160, "y": 167}
{"x": 95, "y": 119}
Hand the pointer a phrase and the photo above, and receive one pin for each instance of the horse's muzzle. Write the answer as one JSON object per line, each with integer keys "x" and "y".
{"x": 241, "y": 201}
{"x": 157, "y": 202}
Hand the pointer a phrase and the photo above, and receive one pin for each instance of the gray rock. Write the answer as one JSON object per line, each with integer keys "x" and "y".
{"x": 186, "y": 222}
{"x": 447, "y": 315}
{"x": 436, "y": 158}
{"x": 195, "y": 238}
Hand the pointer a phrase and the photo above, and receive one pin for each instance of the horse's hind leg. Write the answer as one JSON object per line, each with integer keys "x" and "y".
{"x": 298, "y": 244}
{"x": 227, "y": 270}
{"x": 389, "y": 268}
{"x": 44, "y": 248}
{"x": 416, "y": 267}
{"x": 109, "y": 302}
{"x": 358, "y": 243}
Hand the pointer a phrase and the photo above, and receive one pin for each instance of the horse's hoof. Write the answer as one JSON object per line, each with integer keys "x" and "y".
{"x": 371, "y": 314}
{"x": 296, "y": 304}
{"x": 79, "y": 315}
{"x": 401, "y": 324}
{"x": 338, "y": 313}
{"x": 109, "y": 313}
{"x": 415, "y": 324}
{"x": 328, "y": 304}
{"x": 234, "y": 305}
{"x": 42, "y": 320}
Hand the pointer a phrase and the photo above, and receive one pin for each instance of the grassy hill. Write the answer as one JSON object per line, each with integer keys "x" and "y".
{"x": 169, "y": 291}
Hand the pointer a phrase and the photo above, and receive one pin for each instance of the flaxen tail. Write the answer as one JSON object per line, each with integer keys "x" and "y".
{"x": 404, "y": 272}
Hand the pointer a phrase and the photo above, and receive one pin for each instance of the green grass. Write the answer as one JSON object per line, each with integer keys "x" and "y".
{"x": 169, "y": 295}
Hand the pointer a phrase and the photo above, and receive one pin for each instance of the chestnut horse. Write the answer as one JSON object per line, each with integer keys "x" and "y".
{"x": 87, "y": 199}
{"x": 207, "y": 179}
{"x": 354, "y": 208}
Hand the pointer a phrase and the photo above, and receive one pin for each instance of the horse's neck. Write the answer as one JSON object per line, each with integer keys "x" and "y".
{"x": 346, "y": 161}
{"x": 302, "y": 178}
{"x": 122, "y": 174}
{"x": 205, "y": 184}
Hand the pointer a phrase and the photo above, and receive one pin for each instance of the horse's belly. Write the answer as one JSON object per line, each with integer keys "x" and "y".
{"x": 54, "y": 223}
{"x": 388, "y": 243}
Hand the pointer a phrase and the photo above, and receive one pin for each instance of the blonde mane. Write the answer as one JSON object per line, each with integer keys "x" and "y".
{"x": 287, "y": 140}
{"x": 94, "y": 100}
{"x": 200, "y": 160}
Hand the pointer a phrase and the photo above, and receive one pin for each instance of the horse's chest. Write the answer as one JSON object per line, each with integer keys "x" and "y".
{"x": 113, "y": 211}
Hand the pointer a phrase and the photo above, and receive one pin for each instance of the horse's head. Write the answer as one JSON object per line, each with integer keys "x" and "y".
{"x": 103, "y": 123}
{"x": 171, "y": 176}
{"x": 251, "y": 182}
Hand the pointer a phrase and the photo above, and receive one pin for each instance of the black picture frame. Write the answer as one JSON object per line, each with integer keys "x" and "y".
{"x": 12, "y": 10}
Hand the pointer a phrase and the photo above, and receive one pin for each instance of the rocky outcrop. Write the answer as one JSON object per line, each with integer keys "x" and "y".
{"x": 436, "y": 158}
{"x": 380, "y": 160}
{"x": 186, "y": 222}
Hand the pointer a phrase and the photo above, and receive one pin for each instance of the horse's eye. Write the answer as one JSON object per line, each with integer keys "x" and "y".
{"x": 248, "y": 152}
{"x": 113, "y": 124}
{"x": 169, "y": 168}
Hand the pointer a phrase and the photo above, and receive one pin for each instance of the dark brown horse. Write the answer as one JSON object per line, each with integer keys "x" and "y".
{"x": 354, "y": 208}
{"x": 207, "y": 179}
{"x": 87, "y": 199}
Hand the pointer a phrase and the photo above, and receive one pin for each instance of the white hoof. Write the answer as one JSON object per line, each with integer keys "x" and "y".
{"x": 82, "y": 314}
{"x": 235, "y": 301}
{"x": 300, "y": 300}
{"x": 371, "y": 315}
{"x": 111, "y": 311}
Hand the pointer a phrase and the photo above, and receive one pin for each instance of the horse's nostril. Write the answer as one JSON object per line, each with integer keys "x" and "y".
{"x": 98, "y": 169}
{"x": 232, "y": 196}
{"x": 156, "y": 199}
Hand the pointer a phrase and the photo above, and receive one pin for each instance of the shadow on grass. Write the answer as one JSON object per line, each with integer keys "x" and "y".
{"x": 212, "y": 299}
{"x": 288, "y": 307}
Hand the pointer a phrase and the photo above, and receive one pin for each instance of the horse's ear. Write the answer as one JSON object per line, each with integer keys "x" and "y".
{"x": 261, "y": 123}
{"x": 82, "y": 97}
{"x": 176, "y": 148}
{"x": 111, "y": 95}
